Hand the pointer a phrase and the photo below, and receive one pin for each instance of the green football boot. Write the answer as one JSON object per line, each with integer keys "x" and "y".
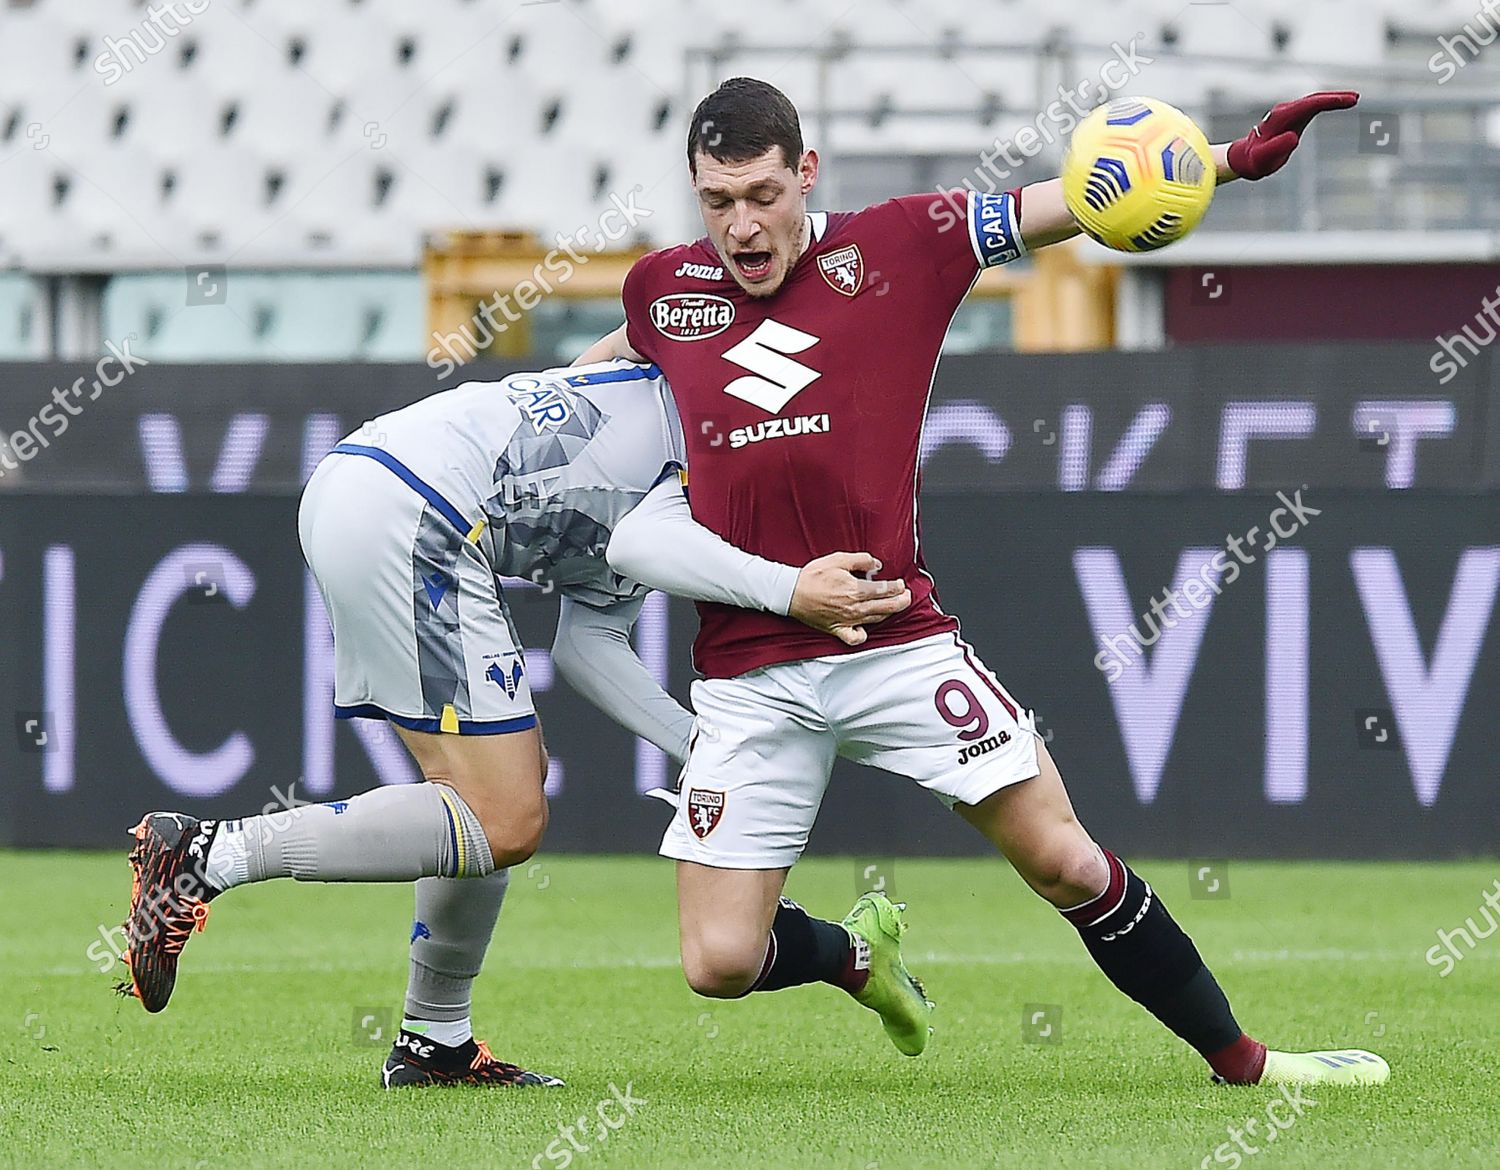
{"x": 877, "y": 924}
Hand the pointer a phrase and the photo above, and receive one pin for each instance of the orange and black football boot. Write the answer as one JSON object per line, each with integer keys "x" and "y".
{"x": 416, "y": 1060}
{"x": 169, "y": 900}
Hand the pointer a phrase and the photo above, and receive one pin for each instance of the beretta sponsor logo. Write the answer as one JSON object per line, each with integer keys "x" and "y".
{"x": 692, "y": 316}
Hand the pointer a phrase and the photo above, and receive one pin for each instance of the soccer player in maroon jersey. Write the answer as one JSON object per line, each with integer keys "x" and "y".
{"x": 801, "y": 349}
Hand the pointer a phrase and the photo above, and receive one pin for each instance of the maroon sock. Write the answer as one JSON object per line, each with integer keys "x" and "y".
{"x": 1143, "y": 951}
{"x": 1241, "y": 1063}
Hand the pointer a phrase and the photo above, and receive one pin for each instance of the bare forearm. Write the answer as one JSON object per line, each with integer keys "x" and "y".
{"x": 611, "y": 345}
{"x": 1045, "y": 218}
{"x": 1221, "y": 163}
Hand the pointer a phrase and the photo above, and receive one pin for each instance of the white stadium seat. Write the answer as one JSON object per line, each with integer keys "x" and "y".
{"x": 274, "y": 119}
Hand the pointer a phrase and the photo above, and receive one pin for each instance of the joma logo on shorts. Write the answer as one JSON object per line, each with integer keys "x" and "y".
{"x": 972, "y": 751}
{"x": 779, "y": 428}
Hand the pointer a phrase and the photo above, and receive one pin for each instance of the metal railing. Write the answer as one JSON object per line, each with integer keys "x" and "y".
{"x": 1420, "y": 153}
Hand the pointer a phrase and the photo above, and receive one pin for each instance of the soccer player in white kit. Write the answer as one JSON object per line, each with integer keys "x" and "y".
{"x": 407, "y": 526}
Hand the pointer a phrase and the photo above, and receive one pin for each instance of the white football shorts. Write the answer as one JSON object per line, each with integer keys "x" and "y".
{"x": 765, "y": 742}
{"x": 421, "y": 634}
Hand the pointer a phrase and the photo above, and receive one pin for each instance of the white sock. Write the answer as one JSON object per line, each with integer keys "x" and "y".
{"x": 451, "y": 1033}
{"x": 228, "y": 861}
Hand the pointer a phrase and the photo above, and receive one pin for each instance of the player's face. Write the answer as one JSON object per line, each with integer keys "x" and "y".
{"x": 755, "y": 212}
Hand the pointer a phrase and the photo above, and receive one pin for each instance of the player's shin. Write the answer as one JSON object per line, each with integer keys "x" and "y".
{"x": 391, "y": 834}
{"x": 449, "y": 937}
{"x": 803, "y": 949}
{"x": 1143, "y": 951}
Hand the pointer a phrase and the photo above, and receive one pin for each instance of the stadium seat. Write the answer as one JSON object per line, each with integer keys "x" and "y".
{"x": 342, "y": 135}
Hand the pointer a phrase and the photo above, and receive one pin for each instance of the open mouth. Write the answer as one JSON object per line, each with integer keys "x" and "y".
{"x": 753, "y": 266}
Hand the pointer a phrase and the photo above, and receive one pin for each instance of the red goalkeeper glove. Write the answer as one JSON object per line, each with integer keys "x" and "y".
{"x": 1266, "y": 148}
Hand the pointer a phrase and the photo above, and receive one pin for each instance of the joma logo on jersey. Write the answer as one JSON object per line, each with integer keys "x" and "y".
{"x": 701, "y": 271}
{"x": 972, "y": 751}
{"x": 691, "y": 316}
{"x": 779, "y": 428}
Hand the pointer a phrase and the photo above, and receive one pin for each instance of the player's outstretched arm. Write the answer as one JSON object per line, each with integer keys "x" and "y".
{"x": 659, "y": 544}
{"x": 1045, "y": 218}
{"x": 611, "y": 345}
{"x": 592, "y": 651}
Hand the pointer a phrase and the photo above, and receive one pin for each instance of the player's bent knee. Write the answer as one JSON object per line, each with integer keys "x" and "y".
{"x": 1083, "y": 871}
{"x": 515, "y": 834}
{"x": 722, "y": 967}
{"x": 1066, "y": 869}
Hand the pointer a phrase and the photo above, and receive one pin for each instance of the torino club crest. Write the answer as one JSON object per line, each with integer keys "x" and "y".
{"x": 843, "y": 269}
{"x": 705, "y": 810}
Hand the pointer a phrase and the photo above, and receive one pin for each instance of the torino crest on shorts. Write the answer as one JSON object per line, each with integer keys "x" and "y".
{"x": 705, "y": 810}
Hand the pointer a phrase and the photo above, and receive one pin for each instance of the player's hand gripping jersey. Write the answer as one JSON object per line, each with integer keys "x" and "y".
{"x": 801, "y": 440}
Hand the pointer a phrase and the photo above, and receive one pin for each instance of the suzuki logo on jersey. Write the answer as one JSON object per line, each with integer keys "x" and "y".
{"x": 779, "y": 428}
{"x": 705, "y": 811}
{"x": 843, "y": 269}
{"x": 701, "y": 271}
{"x": 691, "y": 316}
{"x": 778, "y": 379}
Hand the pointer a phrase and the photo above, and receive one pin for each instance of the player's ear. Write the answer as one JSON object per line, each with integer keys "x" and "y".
{"x": 807, "y": 170}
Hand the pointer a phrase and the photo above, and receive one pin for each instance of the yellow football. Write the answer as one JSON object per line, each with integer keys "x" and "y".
{"x": 1138, "y": 174}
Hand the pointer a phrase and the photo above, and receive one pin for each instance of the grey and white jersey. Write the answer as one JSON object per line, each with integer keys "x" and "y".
{"x": 549, "y": 461}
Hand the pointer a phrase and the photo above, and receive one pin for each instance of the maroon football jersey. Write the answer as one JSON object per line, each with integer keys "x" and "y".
{"x": 803, "y": 410}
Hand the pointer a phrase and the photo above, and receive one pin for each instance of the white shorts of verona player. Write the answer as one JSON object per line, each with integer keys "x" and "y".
{"x": 765, "y": 743}
{"x": 421, "y": 635}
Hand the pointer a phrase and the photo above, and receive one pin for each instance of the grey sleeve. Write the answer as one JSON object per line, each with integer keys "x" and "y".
{"x": 659, "y": 544}
{"x": 592, "y": 651}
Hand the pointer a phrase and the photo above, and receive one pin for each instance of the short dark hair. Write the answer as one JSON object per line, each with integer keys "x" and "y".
{"x": 741, "y": 120}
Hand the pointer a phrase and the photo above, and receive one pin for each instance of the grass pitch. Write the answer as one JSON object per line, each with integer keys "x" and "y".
{"x": 268, "y": 1054}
